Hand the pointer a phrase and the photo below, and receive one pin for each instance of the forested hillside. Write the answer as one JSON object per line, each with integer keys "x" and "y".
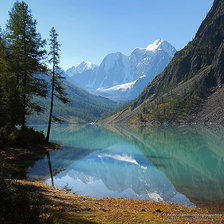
{"x": 83, "y": 106}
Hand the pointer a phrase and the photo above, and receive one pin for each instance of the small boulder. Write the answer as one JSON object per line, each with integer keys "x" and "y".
{"x": 102, "y": 209}
{"x": 158, "y": 210}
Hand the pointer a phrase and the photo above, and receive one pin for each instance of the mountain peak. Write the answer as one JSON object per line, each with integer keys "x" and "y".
{"x": 155, "y": 45}
{"x": 84, "y": 66}
{"x": 118, "y": 69}
{"x": 159, "y": 45}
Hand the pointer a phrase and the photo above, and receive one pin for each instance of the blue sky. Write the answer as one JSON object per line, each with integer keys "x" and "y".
{"x": 90, "y": 29}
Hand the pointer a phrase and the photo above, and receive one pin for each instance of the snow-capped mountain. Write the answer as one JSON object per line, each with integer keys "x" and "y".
{"x": 161, "y": 45}
{"x": 122, "y": 77}
{"x": 83, "y": 67}
{"x": 83, "y": 75}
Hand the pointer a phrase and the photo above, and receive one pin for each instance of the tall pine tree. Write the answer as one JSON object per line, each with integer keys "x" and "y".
{"x": 27, "y": 50}
{"x": 3, "y": 69}
{"x": 56, "y": 81}
{"x": 9, "y": 96}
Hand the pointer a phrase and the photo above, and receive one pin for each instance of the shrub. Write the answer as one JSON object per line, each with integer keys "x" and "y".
{"x": 21, "y": 137}
{"x": 29, "y": 136}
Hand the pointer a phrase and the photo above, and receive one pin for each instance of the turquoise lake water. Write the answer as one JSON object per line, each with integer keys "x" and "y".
{"x": 170, "y": 164}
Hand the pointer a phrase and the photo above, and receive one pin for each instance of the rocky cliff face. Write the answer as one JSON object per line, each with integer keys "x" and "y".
{"x": 190, "y": 88}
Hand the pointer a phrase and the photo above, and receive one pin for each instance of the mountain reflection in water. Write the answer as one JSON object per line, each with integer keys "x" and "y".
{"x": 170, "y": 164}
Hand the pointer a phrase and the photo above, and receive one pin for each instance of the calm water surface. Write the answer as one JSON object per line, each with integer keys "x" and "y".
{"x": 171, "y": 164}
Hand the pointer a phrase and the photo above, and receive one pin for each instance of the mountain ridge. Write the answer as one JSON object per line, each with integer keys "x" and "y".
{"x": 82, "y": 67}
{"x": 184, "y": 90}
{"x": 117, "y": 69}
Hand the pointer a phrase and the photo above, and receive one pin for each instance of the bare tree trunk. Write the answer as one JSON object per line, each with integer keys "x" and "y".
{"x": 51, "y": 109}
{"x": 24, "y": 101}
{"x": 24, "y": 80}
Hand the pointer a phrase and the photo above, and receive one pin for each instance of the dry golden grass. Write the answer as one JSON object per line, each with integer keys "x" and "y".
{"x": 66, "y": 207}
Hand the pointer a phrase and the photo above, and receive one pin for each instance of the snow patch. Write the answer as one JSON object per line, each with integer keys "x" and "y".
{"x": 121, "y": 87}
{"x": 159, "y": 45}
{"x": 155, "y": 45}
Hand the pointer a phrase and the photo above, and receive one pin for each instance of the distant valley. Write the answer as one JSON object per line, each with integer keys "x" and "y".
{"x": 83, "y": 106}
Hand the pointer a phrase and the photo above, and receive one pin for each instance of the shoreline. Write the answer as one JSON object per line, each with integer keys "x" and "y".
{"x": 67, "y": 207}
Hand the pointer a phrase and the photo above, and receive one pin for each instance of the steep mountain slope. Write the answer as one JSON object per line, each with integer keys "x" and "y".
{"x": 190, "y": 88}
{"x": 83, "y": 75}
{"x": 117, "y": 69}
{"x": 83, "y": 67}
{"x": 84, "y": 107}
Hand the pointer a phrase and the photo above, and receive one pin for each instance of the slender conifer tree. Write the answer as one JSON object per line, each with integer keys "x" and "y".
{"x": 57, "y": 89}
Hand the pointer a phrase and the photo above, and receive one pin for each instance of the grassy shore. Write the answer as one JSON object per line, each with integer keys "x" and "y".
{"x": 62, "y": 206}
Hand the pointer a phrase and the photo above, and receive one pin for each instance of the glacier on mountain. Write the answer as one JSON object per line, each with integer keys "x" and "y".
{"x": 121, "y": 87}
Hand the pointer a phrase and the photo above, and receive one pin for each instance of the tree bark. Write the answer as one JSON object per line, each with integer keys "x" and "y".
{"x": 51, "y": 109}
